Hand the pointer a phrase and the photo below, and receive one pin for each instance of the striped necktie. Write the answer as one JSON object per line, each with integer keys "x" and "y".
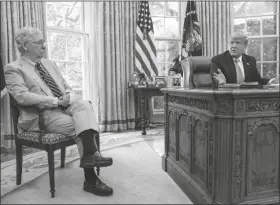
{"x": 239, "y": 75}
{"x": 49, "y": 81}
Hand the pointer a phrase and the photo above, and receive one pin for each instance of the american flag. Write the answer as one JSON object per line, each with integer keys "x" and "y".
{"x": 192, "y": 41}
{"x": 145, "y": 50}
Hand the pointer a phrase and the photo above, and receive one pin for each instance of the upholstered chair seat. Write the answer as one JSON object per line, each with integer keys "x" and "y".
{"x": 44, "y": 138}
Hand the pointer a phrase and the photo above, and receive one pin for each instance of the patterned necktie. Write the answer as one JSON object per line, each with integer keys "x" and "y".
{"x": 49, "y": 81}
{"x": 239, "y": 75}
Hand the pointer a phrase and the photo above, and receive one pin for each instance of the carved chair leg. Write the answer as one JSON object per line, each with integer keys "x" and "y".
{"x": 18, "y": 162}
{"x": 51, "y": 169}
{"x": 62, "y": 157}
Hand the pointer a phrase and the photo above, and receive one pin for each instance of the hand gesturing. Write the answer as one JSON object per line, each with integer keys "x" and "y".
{"x": 219, "y": 77}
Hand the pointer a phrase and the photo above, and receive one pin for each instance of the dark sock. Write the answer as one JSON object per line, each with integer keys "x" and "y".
{"x": 89, "y": 144}
{"x": 90, "y": 176}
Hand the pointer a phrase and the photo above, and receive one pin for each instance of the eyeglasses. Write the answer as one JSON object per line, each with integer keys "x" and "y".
{"x": 40, "y": 42}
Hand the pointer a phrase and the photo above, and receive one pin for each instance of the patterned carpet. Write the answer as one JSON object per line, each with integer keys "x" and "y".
{"x": 36, "y": 164}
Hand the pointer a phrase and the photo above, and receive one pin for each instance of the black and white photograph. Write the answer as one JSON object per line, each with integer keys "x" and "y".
{"x": 140, "y": 102}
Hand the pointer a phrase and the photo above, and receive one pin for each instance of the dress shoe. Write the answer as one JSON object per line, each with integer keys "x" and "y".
{"x": 99, "y": 188}
{"x": 95, "y": 160}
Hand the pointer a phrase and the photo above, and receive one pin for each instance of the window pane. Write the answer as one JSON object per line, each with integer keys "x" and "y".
{"x": 62, "y": 68}
{"x": 64, "y": 15}
{"x": 156, "y": 8}
{"x": 254, "y": 48}
{"x": 253, "y": 8}
{"x": 57, "y": 43}
{"x": 270, "y": 7}
{"x": 172, "y": 50}
{"x": 160, "y": 45}
{"x": 55, "y": 14}
{"x": 269, "y": 25}
{"x": 72, "y": 3}
{"x": 158, "y": 26}
{"x": 172, "y": 9}
{"x": 73, "y": 18}
{"x": 270, "y": 49}
{"x": 74, "y": 48}
{"x": 239, "y": 24}
{"x": 239, "y": 8}
{"x": 253, "y": 26}
{"x": 160, "y": 57}
{"x": 269, "y": 70}
{"x": 75, "y": 74}
{"x": 172, "y": 27}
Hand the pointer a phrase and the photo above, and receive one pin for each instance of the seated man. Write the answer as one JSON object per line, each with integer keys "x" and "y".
{"x": 233, "y": 66}
{"x": 35, "y": 81}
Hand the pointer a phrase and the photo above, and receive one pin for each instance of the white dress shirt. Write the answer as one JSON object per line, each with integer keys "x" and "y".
{"x": 240, "y": 64}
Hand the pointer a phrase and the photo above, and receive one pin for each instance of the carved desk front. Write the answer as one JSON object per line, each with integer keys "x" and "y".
{"x": 222, "y": 146}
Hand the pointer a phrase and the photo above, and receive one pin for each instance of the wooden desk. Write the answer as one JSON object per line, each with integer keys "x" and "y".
{"x": 222, "y": 146}
{"x": 143, "y": 94}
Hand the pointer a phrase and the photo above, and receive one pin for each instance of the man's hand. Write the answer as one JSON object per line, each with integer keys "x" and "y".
{"x": 219, "y": 77}
{"x": 64, "y": 100}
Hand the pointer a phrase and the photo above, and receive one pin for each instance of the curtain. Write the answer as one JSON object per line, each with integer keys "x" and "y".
{"x": 119, "y": 31}
{"x": 93, "y": 26}
{"x": 215, "y": 22}
{"x": 15, "y": 15}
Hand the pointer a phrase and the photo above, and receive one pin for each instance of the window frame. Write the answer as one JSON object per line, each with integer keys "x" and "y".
{"x": 181, "y": 7}
{"x": 83, "y": 34}
{"x": 261, "y": 36}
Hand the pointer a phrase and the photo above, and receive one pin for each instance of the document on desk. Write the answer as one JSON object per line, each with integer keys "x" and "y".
{"x": 241, "y": 85}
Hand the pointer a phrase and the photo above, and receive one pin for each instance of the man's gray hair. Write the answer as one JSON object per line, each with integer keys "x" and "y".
{"x": 240, "y": 35}
{"x": 23, "y": 35}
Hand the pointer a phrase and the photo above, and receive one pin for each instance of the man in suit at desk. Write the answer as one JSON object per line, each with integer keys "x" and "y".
{"x": 233, "y": 66}
{"x": 35, "y": 81}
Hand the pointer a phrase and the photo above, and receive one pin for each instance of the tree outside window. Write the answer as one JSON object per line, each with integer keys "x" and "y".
{"x": 66, "y": 40}
{"x": 260, "y": 20}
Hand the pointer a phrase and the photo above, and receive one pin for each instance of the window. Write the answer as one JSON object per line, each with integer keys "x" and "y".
{"x": 166, "y": 17}
{"x": 67, "y": 40}
{"x": 260, "y": 20}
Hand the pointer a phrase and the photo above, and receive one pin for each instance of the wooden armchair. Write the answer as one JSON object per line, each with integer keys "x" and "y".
{"x": 43, "y": 141}
{"x": 196, "y": 71}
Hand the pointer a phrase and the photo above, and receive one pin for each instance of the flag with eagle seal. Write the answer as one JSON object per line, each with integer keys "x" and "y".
{"x": 192, "y": 41}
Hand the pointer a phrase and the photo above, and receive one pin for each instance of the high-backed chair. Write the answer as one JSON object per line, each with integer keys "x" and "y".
{"x": 40, "y": 140}
{"x": 196, "y": 70}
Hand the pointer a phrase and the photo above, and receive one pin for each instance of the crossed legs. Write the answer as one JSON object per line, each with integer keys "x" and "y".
{"x": 60, "y": 121}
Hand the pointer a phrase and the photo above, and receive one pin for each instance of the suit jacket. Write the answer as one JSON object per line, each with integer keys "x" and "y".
{"x": 225, "y": 63}
{"x": 27, "y": 88}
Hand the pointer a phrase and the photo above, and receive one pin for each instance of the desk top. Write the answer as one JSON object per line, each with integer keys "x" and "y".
{"x": 223, "y": 91}
{"x": 145, "y": 88}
